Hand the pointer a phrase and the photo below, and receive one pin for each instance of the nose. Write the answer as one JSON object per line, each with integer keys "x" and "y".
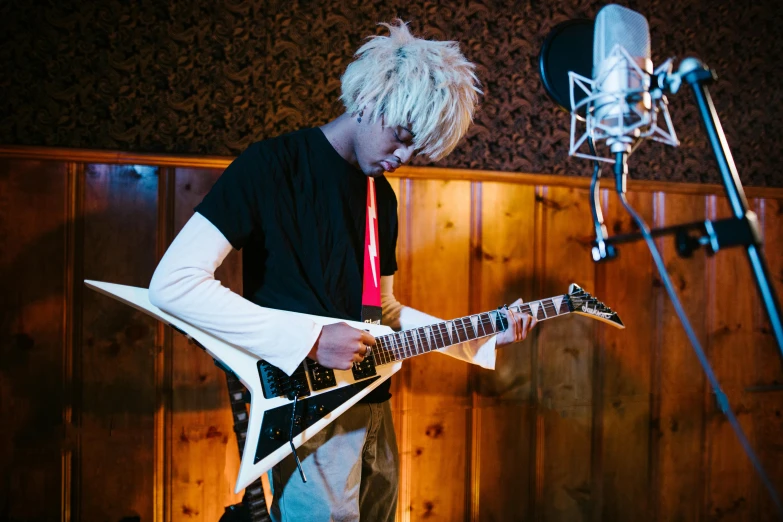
{"x": 404, "y": 154}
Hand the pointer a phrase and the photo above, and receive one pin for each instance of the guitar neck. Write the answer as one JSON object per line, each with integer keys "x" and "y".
{"x": 424, "y": 339}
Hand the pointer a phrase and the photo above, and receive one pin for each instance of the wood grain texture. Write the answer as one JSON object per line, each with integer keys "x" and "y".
{"x": 406, "y": 172}
{"x": 578, "y": 422}
{"x": 622, "y": 374}
{"x": 119, "y": 351}
{"x": 768, "y": 386}
{"x": 564, "y": 364}
{"x": 506, "y": 271}
{"x": 205, "y": 458}
{"x": 439, "y": 275}
{"x": 678, "y": 424}
{"x": 33, "y": 232}
{"x": 731, "y": 481}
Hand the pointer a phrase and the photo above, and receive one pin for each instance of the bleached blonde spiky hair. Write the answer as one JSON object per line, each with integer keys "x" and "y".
{"x": 427, "y": 84}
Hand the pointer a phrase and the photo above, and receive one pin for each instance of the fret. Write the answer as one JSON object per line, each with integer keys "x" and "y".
{"x": 557, "y": 303}
{"x": 409, "y": 344}
{"x": 483, "y": 328}
{"x": 493, "y": 321}
{"x": 396, "y": 345}
{"x": 440, "y": 339}
{"x": 416, "y": 341}
{"x": 465, "y": 330}
{"x": 548, "y": 302}
{"x": 425, "y": 343}
{"x": 414, "y": 346}
{"x": 428, "y": 336}
{"x": 455, "y": 331}
{"x": 389, "y": 348}
{"x": 473, "y": 323}
{"x": 533, "y": 309}
{"x": 424, "y": 338}
{"x": 400, "y": 338}
{"x": 449, "y": 330}
{"x": 398, "y": 353}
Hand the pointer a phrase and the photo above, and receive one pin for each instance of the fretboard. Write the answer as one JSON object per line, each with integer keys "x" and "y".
{"x": 424, "y": 339}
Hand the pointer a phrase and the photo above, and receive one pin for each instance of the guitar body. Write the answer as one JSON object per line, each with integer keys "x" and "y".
{"x": 286, "y": 411}
{"x": 270, "y": 417}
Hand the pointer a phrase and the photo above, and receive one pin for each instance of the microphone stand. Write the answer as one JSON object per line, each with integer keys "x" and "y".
{"x": 620, "y": 172}
{"x": 741, "y": 229}
{"x": 745, "y": 227}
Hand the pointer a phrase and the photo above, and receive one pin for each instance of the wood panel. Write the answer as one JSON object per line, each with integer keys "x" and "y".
{"x": 730, "y": 477}
{"x": 205, "y": 458}
{"x": 504, "y": 413}
{"x": 564, "y": 364}
{"x": 33, "y": 231}
{"x": 768, "y": 385}
{"x": 400, "y": 385}
{"x": 578, "y": 422}
{"x": 622, "y": 371}
{"x": 678, "y": 420}
{"x": 119, "y": 351}
{"x": 439, "y": 275}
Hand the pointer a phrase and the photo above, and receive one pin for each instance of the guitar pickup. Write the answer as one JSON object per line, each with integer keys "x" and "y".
{"x": 364, "y": 369}
{"x": 320, "y": 376}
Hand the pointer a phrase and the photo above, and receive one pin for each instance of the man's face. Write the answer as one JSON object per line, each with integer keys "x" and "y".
{"x": 382, "y": 149}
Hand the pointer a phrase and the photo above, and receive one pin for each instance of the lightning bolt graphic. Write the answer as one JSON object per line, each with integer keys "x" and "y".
{"x": 372, "y": 216}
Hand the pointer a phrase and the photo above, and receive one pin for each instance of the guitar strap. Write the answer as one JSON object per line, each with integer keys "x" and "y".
{"x": 371, "y": 286}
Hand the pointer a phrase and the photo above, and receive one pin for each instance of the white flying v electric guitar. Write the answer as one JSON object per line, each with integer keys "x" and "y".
{"x": 286, "y": 411}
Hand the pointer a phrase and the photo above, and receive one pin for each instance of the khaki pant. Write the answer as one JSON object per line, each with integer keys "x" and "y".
{"x": 351, "y": 467}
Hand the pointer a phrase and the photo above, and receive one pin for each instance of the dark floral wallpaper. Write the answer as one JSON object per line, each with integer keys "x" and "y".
{"x": 211, "y": 76}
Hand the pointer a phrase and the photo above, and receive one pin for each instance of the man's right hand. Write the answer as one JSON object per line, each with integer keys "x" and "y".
{"x": 340, "y": 345}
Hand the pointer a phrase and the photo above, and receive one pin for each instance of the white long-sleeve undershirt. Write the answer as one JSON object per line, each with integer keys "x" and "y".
{"x": 184, "y": 285}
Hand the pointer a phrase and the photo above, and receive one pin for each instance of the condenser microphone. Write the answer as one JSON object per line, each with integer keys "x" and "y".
{"x": 622, "y": 68}
{"x": 622, "y": 103}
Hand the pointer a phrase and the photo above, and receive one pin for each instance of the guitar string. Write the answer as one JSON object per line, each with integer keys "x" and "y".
{"x": 406, "y": 346}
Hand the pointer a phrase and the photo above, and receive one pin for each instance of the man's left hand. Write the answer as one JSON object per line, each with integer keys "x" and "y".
{"x": 519, "y": 325}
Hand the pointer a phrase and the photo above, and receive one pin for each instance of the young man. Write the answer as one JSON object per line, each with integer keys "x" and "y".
{"x": 296, "y": 206}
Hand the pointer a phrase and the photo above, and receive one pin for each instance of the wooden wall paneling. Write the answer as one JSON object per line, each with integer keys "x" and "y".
{"x": 622, "y": 376}
{"x": 163, "y": 359}
{"x": 678, "y": 424}
{"x": 118, "y": 352}
{"x": 564, "y": 361}
{"x": 731, "y": 479}
{"x": 72, "y": 343}
{"x": 439, "y": 275}
{"x": 33, "y": 234}
{"x": 767, "y": 388}
{"x": 505, "y": 424}
{"x": 400, "y": 387}
{"x": 205, "y": 458}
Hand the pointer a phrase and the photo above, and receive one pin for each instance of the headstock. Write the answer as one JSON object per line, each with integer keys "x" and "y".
{"x": 582, "y": 303}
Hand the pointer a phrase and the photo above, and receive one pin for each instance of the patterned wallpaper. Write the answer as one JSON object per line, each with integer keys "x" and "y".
{"x": 210, "y": 77}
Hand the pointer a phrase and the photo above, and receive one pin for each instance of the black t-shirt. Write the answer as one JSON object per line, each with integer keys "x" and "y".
{"x": 297, "y": 210}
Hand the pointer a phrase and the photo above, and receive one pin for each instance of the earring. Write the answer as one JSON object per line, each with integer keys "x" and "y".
{"x": 359, "y": 119}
